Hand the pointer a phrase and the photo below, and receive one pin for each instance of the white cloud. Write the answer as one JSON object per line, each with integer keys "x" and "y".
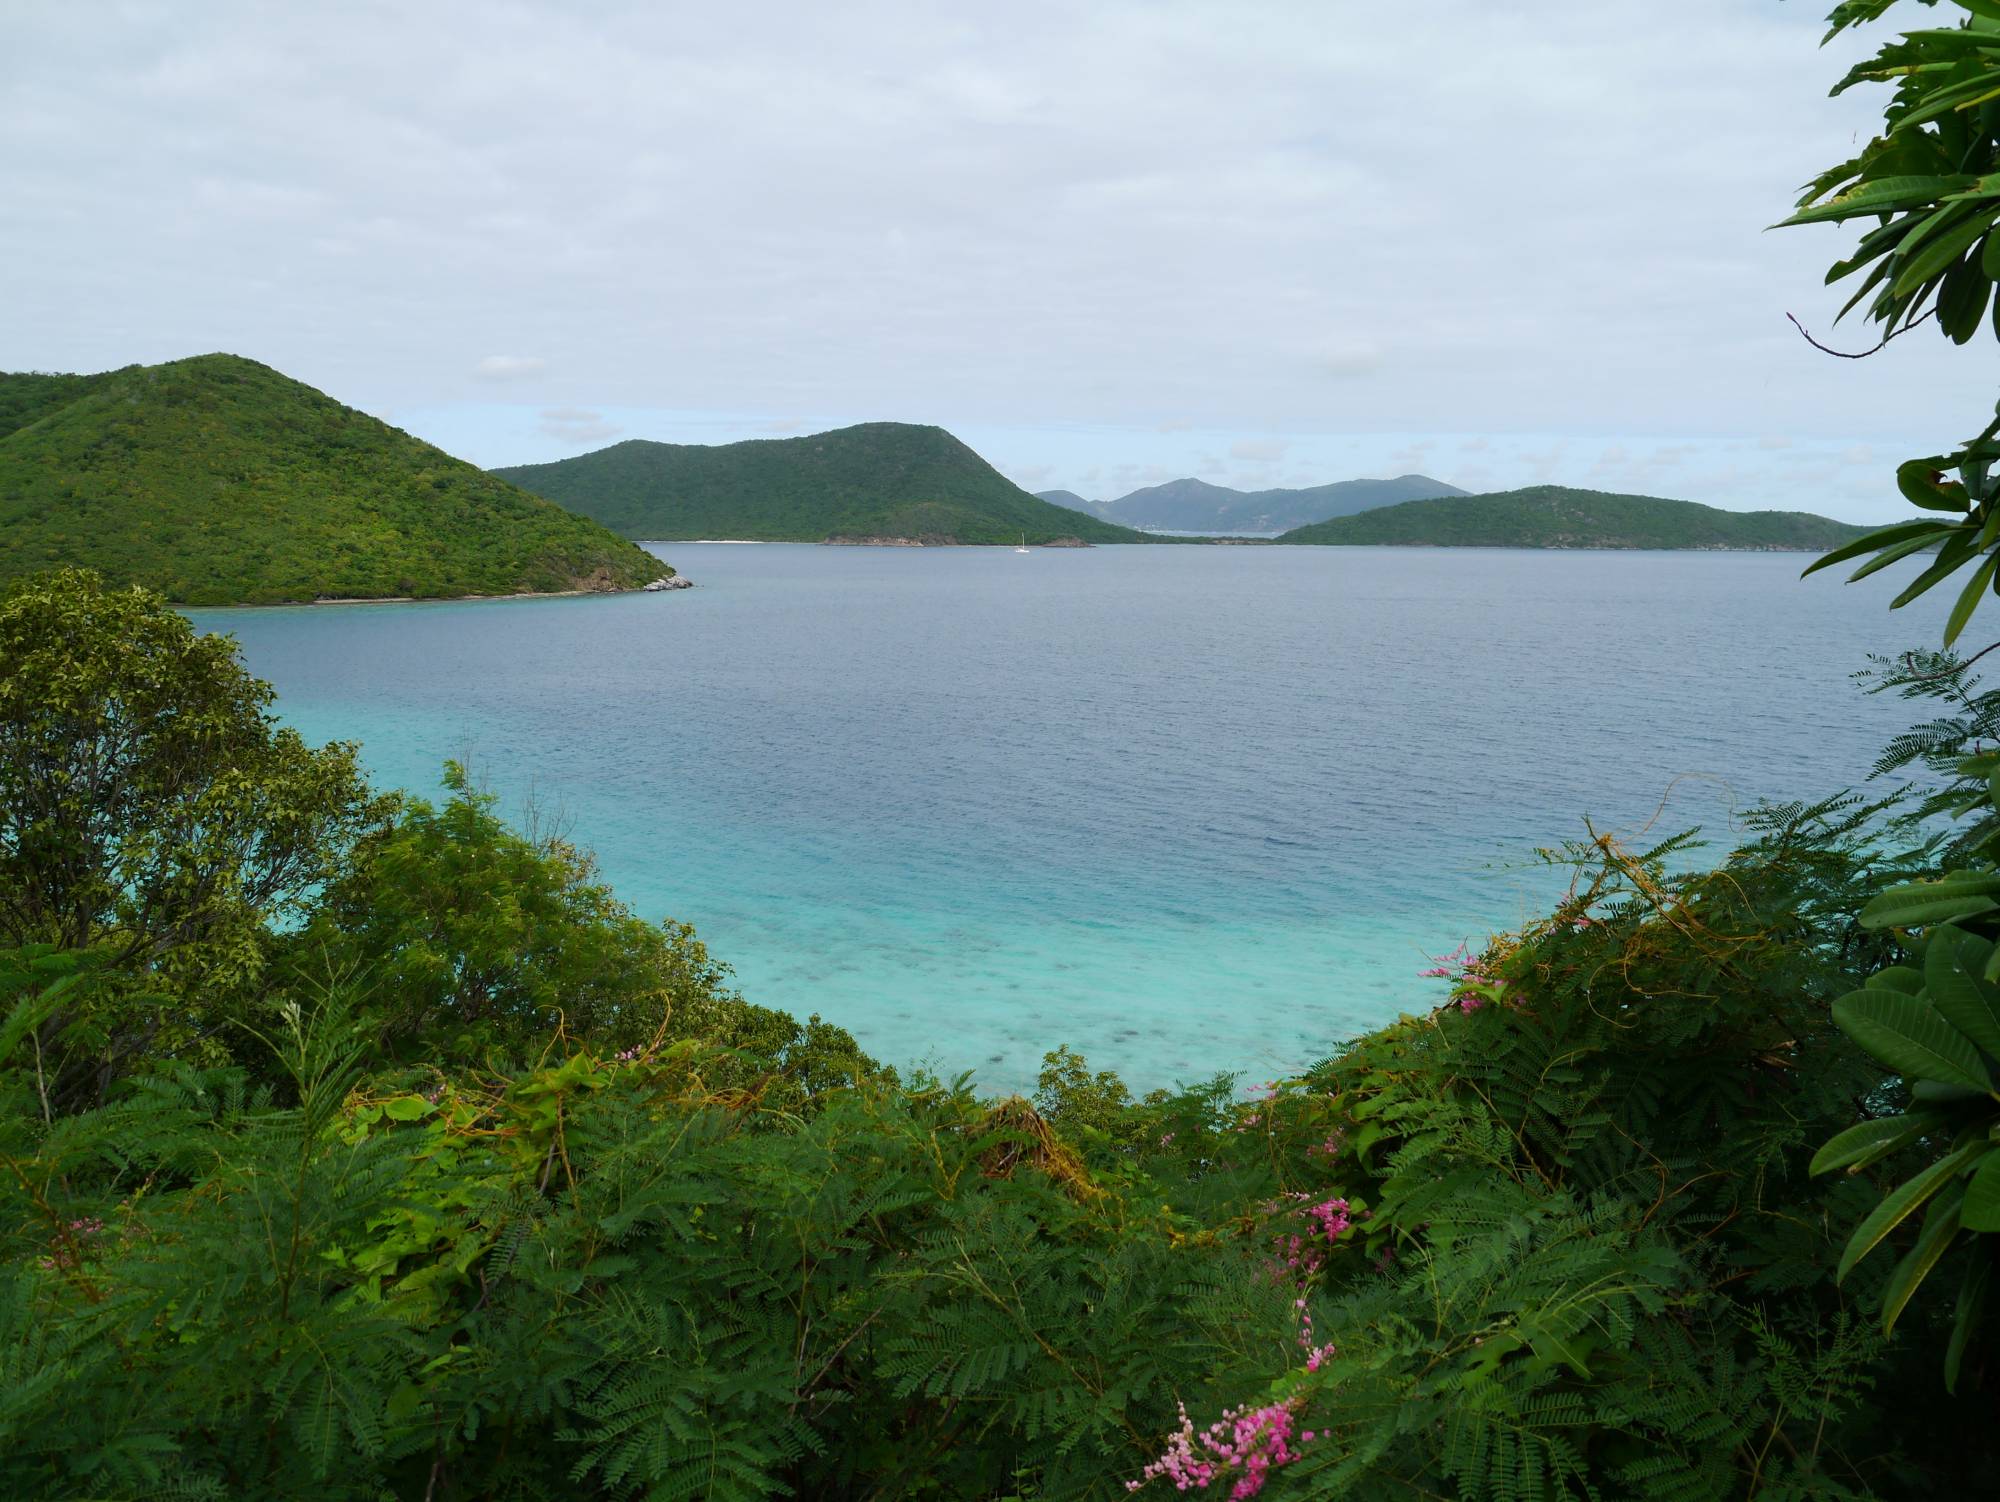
{"x": 576, "y": 425}
{"x": 509, "y": 367}
{"x": 1259, "y": 450}
{"x": 1343, "y": 362}
{"x": 1103, "y": 220}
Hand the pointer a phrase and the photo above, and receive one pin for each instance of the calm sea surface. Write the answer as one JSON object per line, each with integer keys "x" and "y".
{"x": 1184, "y": 809}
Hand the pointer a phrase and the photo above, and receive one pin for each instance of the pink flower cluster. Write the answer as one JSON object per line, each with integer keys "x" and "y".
{"x": 68, "y": 1256}
{"x": 1315, "y": 1355}
{"x": 1303, "y": 1252}
{"x": 1472, "y": 987}
{"x": 1243, "y": 1447}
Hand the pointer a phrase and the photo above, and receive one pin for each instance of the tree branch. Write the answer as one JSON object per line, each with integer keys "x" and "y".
{"x": 1909, "y": 661}
{"x": 1863, "y": 354}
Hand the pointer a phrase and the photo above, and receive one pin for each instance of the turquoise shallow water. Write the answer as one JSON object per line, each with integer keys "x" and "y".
{"x": 1185, "y": 809}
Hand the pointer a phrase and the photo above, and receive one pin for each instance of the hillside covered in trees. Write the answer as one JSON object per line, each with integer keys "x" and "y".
{"x": 1192, "y": 505}
{"x": 877, "y": 480}
{"x": 1554, "y": 516}
{"x": 218, "y": 481}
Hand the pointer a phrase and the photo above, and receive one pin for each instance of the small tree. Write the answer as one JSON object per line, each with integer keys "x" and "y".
{"x": 152, "y": 813}
{"x": 469, "y": 942}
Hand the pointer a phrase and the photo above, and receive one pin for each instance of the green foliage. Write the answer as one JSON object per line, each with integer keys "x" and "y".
{"x": 218, "y": 481}
{"x": 1585, "y": 1259}
{"x": 1938, "y": 746}
{"x": 874, "y": 480}
{"x": 1553, "y": 516}
{"x": 29, "y": 396}
{"x": 1935, "y": 1022}
{"x": 1928, "y": 190}
{"x": 468, "y": 943}
{"x": 601, "y": 1276}
{"x": 152, "y": 813}
{"x": 1595, "y": 1263}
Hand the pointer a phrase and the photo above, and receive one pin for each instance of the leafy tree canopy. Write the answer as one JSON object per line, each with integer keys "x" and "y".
{"x": 152, "y": 812}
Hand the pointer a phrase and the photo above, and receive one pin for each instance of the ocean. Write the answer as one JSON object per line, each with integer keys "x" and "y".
{"x": 1182, "y": 809}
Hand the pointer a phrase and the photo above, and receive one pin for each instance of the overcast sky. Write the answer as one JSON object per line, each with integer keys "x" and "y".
{"x": 1106, "y": 243}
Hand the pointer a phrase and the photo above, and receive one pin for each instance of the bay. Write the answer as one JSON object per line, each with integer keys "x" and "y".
{"x": 1184, "y": 809}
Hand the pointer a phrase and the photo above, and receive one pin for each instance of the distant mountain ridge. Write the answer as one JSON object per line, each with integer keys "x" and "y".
{"x": 218, "y": 481}
{"x": 876, "y": 481}
{"x": 1191, "y": 505}
{"x": 1555, "y": 516}
{"x": 1070, "y": 499}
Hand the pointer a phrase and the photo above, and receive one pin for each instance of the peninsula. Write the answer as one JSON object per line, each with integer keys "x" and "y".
{"x": 219, "y": 481}
{"x": 1554, "y": 516}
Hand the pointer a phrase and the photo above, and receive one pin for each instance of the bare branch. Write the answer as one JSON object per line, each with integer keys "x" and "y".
{"x": 1863, "y": 354}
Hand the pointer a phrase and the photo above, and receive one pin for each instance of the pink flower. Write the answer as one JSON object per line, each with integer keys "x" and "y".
{"x": 1472, "y": 987}
{"x": 1243, "y": 1446}
{"x": 1303, "y": 1252}
{"x": 69, "y": 1256}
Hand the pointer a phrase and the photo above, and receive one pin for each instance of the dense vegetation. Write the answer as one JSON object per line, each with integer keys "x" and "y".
{"x": 1554, "y": 516}
{"x": 1196, "y": 506}
{"x": 217, "y": 480}
{"x": 875, "y": 480}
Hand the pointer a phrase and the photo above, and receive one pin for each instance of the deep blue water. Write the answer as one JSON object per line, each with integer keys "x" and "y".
{"x": 1185, "y": 809}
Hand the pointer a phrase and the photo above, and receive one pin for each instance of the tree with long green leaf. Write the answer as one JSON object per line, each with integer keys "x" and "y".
{"x": 1925, "y": 194}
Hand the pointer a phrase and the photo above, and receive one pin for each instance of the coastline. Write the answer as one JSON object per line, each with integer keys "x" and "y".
{"x": 530, "y": 594}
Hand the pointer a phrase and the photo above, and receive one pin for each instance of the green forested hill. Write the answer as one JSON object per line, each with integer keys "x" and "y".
{"x": 1554, "y": 516}
{"x": 875, "y": 480}
{"x": 1192, "y": 505}
{"x": 217, "y": 481}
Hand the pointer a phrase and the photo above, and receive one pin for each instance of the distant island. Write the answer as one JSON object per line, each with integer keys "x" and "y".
{"x": 1196, "y": 506}
{"x": 878, "y": 482}
{"x": 1555, "y": 516}
{"x": 218, "y": 481}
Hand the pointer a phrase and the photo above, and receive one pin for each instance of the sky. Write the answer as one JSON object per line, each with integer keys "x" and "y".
{"x": 1107, "y": 244}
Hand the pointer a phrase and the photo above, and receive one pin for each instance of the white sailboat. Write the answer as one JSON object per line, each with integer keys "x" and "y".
{"x": 1024, "y": 544}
